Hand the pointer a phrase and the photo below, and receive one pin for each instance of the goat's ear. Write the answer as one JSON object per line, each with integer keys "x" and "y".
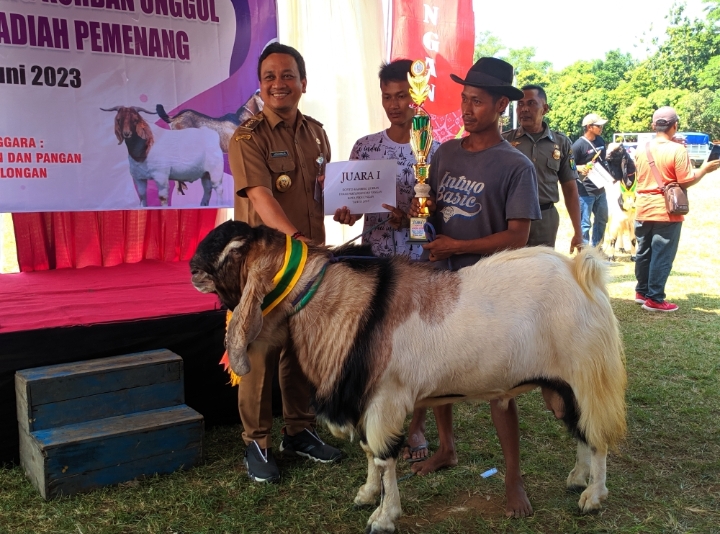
{"x": 118, "y": 132}
{"x": 246, "y": 323}
{"x": 143, "y": 130}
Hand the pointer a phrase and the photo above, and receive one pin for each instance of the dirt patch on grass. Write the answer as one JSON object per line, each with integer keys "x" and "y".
{"x": 463, "y": 510}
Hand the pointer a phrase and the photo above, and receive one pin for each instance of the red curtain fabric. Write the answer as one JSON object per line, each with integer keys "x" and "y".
{"x": 442, "y": 33}
{"x": 106, "y": 238}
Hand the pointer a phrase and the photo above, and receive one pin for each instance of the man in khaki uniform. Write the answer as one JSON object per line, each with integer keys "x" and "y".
{"x": 551, "y": 154}
{"x": 277, "y": 160}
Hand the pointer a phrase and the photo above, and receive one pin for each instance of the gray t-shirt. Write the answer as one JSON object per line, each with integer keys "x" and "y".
{"x": 477, "y": 192}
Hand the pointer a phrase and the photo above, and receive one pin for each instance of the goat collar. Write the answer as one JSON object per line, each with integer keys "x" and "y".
{"x": 286, "y": 278}
{"x": 308, "y": 293}
{"x": 284, "y": 281}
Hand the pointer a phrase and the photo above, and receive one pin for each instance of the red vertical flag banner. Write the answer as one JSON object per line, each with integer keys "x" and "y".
{"x": 441, "y": 32}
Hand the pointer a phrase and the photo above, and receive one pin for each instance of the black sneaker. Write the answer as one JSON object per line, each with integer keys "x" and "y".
{"x": 261, "y": 466}
{"x": 308, "y": 445}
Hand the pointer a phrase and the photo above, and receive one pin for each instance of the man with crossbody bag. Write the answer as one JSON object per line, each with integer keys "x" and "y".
{"x": 661, "y": 165}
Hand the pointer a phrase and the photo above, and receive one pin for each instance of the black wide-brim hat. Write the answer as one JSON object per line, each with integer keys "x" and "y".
{"x": 492, "y": 74}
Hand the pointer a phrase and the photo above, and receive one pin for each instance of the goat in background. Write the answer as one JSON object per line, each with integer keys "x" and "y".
{"x": 183, "y": 156}
{"x": 383, "y": 336}
{"x": 620, "y": 232}
{"x": 225, "y": 126}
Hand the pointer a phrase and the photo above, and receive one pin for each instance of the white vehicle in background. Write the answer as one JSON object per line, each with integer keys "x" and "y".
{"x": 698, "y": 144}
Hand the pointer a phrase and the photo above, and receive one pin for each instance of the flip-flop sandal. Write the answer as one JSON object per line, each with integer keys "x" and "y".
{"x": 420, "y": 447}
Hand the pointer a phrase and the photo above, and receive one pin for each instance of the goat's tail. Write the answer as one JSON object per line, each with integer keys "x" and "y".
{"x": 600, "y": 380}
{"x": 590, "y": 271}
{"x": 162, "y": 114}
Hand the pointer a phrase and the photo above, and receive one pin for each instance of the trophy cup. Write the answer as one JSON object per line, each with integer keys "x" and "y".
{"x": 420, "y": 143}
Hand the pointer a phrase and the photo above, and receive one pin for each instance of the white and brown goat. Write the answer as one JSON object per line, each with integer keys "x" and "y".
{"x": 162, "y": 155}
{"x": 382, "y": 336}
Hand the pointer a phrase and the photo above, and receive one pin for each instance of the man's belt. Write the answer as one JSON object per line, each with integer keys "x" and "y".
{"x": 547, "y": 206}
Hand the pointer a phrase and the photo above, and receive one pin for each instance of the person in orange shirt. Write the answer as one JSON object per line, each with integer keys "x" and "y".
{"x": 657, "y": 231}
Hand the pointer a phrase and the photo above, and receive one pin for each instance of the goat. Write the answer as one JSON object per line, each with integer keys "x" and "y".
{"x": 621, "y": 202}
{"x": 224, "y": 126}
{"x": 183, "y": 156}
{"x": 383, "y": 336}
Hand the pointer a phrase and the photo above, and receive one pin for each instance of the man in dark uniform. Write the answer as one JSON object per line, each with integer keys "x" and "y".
{"x": 552, "y": 157}
{"x": 277, "y": 159}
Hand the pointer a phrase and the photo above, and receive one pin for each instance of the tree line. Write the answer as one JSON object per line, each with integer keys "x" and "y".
{"x": 682, "y": 70}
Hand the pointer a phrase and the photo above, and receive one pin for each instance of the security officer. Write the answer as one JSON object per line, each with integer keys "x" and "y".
{"x": 277, "y": 160}
{"x": 552, "y": 156}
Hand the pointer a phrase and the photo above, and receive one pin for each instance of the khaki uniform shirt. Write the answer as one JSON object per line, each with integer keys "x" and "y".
{"x": 264, "y": 148}
{"x": 552, "y": 157}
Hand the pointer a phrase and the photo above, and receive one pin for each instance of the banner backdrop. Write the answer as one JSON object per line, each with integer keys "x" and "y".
{"x": 91, "y": 91}
{"x": 442, "y": 32}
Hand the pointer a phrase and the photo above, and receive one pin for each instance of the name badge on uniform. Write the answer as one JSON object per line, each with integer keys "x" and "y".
{"x": 283, "y": 183}
{"x": 556, "y": 152}
{"x": 279, "y": 154}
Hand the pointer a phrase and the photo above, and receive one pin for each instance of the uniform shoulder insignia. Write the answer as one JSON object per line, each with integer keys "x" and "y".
{"x": 244, "y": 131}
{"x": 253, "y": 121}
{"x": 308, "y": 117}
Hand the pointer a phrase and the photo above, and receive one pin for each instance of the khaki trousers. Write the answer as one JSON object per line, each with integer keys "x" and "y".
{"x": 544, "y": 231}
{"x": 255, "y": 394}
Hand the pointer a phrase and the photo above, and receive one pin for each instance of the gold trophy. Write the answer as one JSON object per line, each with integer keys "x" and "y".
{"x": 421, "y": 142}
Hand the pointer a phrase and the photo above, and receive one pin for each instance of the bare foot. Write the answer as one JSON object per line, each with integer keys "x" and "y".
{"x": 443, "y": 458}
{"x": 518, "y": 504}
{"x": 416, "y": 448}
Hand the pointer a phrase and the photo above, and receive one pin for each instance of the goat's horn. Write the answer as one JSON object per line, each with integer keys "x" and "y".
{"x": 111, "y": 109}
{"x": 144, "y": 110}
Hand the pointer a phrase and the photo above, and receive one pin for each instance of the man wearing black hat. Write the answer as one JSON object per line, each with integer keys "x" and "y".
{"x": 483, "y": 197}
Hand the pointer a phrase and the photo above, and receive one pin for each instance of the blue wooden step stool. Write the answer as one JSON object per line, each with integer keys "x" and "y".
{"x": 90, "y": 424}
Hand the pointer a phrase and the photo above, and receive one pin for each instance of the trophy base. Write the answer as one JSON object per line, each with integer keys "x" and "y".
{"x": 417, "y": 230}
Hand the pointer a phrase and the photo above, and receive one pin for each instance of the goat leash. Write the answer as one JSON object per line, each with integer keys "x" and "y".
{"x": 308, "y": 292}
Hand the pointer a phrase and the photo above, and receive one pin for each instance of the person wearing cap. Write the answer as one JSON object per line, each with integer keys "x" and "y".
{"x": 588, "y": 150}
{"x": 656, "y": 230}
{"x": 483, "y": 198}
{"x": 551, "y": 153}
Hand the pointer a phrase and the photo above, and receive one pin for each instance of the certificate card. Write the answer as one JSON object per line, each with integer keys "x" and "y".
{"x": 600, "y": 177}
{"x": 363, "y": 186}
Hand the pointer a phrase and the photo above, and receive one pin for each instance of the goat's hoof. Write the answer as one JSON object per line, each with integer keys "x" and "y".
{"x": 591, "y": 499}
{"x": 374, "y": 528}
{"x": 363, "y": 505}
{"x": 575, "y": 488}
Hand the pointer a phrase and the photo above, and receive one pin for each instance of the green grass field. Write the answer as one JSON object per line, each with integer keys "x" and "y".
{"x": 665, "y": 477}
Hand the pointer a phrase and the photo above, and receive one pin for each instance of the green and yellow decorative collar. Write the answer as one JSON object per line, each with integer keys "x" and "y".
{"x": 295, "y": 257}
